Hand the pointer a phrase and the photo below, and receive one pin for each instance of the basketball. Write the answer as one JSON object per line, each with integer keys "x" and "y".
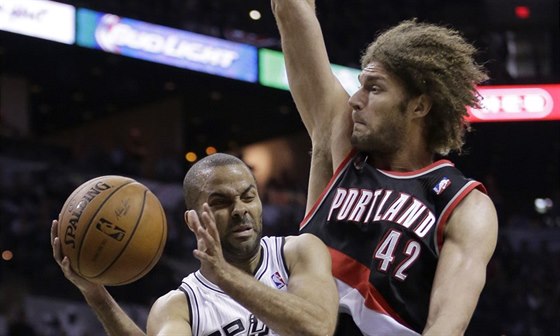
{"x": 113, "y": 229}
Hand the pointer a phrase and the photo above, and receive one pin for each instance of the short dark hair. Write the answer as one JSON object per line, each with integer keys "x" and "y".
{"x": 198, "y": 173}
{"x": 438, "y": 62}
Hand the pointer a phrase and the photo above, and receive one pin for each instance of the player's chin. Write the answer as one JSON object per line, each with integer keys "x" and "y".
{"x": 358, "y": 140}
{"x": 241, "y": 249}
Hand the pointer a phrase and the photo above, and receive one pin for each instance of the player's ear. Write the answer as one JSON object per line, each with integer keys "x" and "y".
{"x": 422, "y": 105}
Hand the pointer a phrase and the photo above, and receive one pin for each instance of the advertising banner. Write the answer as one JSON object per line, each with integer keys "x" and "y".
{"x": 166, "y": 45}
{"x": 39, "y": 18}
{"x": 272, "y": 72}
{"x": 517, "y": 103}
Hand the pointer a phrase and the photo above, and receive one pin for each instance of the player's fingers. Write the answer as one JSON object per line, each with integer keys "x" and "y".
{"x": 69, "y": 272}
{"x": 54, "y": 230}
{"x": 206, "y": 208}
{"x": 56, "y": 250}
{"x": 201, "y": 245}
{"x": 65, "y": 263}
{"x": 210, "y": 225}
{"x": 200, "y": 255}
{"x": 205, "y": 235}
{"x": 55, "y": 242}
{"x": 194, "y": 222}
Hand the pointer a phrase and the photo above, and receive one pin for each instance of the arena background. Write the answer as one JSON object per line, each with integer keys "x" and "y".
{"x": 68, "y": 113}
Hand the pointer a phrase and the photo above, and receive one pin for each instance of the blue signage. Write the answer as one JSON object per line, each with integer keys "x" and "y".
{"x": 166, "y": 45}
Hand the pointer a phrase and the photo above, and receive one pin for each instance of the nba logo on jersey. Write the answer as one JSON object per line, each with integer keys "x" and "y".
{"x": 277, "y": 279}
{"x": 442, "y": 185}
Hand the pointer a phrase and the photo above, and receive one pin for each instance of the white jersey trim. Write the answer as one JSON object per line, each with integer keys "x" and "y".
{"x": 353, "y": 303}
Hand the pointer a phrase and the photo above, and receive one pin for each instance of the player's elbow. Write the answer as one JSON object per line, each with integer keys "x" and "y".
{"x": 321, "y": 326}
{"x": 322, "y": 329}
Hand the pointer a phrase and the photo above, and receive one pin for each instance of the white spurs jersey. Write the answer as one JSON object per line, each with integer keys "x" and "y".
{"x": 214, "y": 313}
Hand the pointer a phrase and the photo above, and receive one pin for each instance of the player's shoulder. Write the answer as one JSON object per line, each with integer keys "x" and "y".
{"x": 304, "y": 245}
{"x": 170, "y": 314}
{"x": 475, "y": 201}
{"x": 171, "y": 298}
{"x": 302, "y": 239}
{"x": 475, "y": 213}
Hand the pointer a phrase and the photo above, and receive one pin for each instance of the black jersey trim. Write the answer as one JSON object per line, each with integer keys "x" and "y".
{"x": 207, "y": 283}
{"x": 261, "y": 268}
{"x": 282, "y": 256}
{"x": 185, "y": 288}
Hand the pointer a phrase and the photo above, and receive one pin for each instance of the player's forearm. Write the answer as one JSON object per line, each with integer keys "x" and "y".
{"x": 452, "y": 318}
{"x": 453, "y": 305}
{"x": 302, "y": 40}
{"x": 450, "y": 324}
{"x": 307, "y": 63}
{"x": 283, "y": 312}
{"x": 114, "y": 320}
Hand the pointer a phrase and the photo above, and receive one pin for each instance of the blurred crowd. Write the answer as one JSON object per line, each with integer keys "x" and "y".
{"x": 522, "y": 295}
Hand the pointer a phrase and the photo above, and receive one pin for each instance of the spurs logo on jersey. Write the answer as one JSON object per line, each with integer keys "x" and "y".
{"x": 384, "y": 231}
{"x": 214, "y": 313}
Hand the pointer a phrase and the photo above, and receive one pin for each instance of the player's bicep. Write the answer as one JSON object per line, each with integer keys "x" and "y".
{"x": 169, "y": 315}
{"x": 473, "y": 227}
{"x": 471, "y": 236}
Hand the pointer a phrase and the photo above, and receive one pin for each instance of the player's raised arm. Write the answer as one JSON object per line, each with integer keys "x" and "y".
{"x": 320, "y": 98}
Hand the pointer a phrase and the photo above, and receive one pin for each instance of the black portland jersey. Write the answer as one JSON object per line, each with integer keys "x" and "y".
{"x": 384, "y": 231}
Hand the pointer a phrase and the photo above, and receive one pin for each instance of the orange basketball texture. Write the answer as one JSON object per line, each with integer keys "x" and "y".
{"x": 113, "y": 229}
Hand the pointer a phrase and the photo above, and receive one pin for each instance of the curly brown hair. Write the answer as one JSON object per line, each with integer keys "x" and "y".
{"x": 436, "y": 61}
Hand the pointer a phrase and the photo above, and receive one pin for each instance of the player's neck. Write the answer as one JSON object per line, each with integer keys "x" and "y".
{"x": 247, "y": 265}
{"x": 402, "y": 161}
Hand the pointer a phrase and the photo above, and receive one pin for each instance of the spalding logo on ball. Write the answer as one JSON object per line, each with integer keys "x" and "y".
{"x": 113, "y": 229}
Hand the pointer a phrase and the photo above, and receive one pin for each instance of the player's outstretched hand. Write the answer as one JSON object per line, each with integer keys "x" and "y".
{"x": 209, "y": 248}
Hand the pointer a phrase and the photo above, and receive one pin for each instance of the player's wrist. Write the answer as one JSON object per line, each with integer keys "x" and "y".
{"x": 95, "y": 295}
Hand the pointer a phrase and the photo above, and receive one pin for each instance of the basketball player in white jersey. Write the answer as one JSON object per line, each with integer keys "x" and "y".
{"x": 246, "y": 285}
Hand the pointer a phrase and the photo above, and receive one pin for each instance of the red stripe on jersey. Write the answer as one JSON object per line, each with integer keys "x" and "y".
{"x": 327, "y": 188}
{"x": 356, "y": 275}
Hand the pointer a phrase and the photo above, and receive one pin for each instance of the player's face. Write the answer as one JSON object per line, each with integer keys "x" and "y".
{"x": 231, "y": 193}
{"x": 378, "y": 111}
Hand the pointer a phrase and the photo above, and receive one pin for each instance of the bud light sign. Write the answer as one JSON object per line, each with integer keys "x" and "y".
{"x": 166, "y": 45}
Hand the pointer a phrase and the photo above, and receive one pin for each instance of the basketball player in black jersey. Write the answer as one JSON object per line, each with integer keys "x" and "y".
{"x": 409, "y": 236}
{"x": 246, "y": 295}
